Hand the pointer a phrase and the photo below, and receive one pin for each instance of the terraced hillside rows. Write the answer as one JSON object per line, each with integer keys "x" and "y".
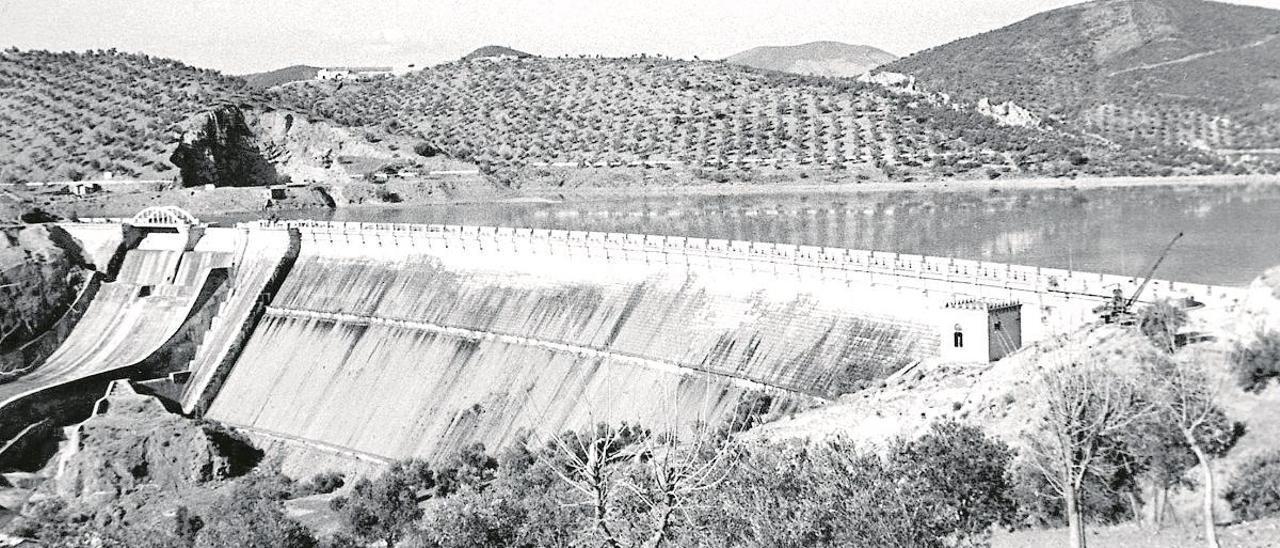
{"x": 1156, "y": 74}
{"x": 68, "y": 116}
{"x": 614, "y": 112}
{"x": 457, "y": 349}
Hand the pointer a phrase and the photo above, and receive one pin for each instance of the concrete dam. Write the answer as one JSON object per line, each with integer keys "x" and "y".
{"x": 334, "y": 343}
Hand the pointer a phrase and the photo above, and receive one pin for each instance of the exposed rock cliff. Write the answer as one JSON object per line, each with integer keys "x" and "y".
{"x": 132, "y": 440}
{"x": 41, "y": 270}
{"x": 230, "y": 146}
{"x": 218, "y": 147}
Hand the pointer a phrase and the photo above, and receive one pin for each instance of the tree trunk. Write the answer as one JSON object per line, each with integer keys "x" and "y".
{"x": 1134, "y": 507}
{"x": 1210, "y": 528}
{"x": 1161, "y": 506}
{"x": 1075, "y": 523}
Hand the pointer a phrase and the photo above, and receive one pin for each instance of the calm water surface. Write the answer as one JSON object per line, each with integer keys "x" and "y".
{"x": 1231, "y": 234}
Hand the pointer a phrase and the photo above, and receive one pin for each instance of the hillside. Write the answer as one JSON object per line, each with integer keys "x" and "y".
{"x": 495, "y": 51}
{"x": 1146, "y": 73}
{"x": 598, "y": 112}
{"x": 70, "y": 116}
{"x": 277, "y": 77}
{"x": 831, "y": 59}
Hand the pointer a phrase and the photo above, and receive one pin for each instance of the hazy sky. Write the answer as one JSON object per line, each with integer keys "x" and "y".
{"x": 239, "y": 36}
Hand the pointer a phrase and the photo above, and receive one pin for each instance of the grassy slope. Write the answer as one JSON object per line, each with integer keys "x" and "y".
{"x": 1100, "y": 67}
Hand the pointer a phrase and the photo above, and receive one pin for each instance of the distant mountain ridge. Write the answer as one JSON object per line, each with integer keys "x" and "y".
{"x": 1135, "y": 72}
{"x": 495, "y": 51}
{"x": 832, "y": 59}
{"x": 278, "y": 77}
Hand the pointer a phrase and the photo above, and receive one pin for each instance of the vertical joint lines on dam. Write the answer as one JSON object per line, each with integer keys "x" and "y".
{"x": 584, "y": 351}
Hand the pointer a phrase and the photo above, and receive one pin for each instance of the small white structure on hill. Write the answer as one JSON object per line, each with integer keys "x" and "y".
{"x": 980, "y": 331}
{"x": 362, "y": 73}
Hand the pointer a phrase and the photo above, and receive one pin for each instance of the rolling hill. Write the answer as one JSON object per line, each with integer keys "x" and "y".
{"x": 832, "y": 59}
{"x": 75, "y": 115}
{"x": 295, "y": 73}
{"x": 495, "y": 51}
{"x": 67, "y": 116}
{"x": 629, "y": 111}
{"x": 1144, "y": 73}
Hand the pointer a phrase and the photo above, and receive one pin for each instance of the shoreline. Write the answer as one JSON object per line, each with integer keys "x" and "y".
{"x": 951, "y": 185}
{"x": 234, "y": 201}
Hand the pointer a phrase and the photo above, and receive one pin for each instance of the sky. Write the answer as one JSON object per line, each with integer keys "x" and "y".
{"x": 243, "y": 36}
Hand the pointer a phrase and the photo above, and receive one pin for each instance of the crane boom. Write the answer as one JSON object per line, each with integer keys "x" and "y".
{"x": 1151, "y": 272}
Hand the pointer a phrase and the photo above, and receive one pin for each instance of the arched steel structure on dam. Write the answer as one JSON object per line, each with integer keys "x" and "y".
{"x": 163, "y": 217}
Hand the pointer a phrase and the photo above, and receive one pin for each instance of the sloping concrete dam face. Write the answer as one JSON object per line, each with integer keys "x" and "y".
{"x": 377, "y": 350}
{"x": 138, "y": 321}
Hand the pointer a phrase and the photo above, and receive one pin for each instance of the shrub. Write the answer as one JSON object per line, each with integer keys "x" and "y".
{"x": 251, "y": 515}
{"x": 748, "y": 413}
{"x": 961, "y": 474}
{"x": 384, "y": 509}
{"x": 1259, "y": 362}
{"x": 1039, "y": 505}
{"x": 1255, "y": 491}
{"x": 388, "y": 196}
{"x": 946, "y": 488}
{"x": 427, "y": 150}
{"x": 320, "y": 484}
{"x": 1160, "y": 323}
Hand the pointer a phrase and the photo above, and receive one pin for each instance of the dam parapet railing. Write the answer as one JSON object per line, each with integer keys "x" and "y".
{"x": 660, "y": 249}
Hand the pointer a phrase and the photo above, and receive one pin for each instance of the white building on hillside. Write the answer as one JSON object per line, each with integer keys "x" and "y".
{"x": 362, "y": 73}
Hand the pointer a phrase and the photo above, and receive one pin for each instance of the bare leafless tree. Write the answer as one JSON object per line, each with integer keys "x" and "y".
{"x": 662, "y": 473}
{"x": 1089, "y": 407}
{"x": 1188, "y": 401}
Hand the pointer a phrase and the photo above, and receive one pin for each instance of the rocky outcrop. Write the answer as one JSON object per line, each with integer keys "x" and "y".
{"x": 132, "y": 440}
{"x": 1008, "y": 113}
{"x": 230, "y": 146}
{"x": 892, "y": 81}
{"x": 41, "y": 271}
{"x": 218, "y": 147}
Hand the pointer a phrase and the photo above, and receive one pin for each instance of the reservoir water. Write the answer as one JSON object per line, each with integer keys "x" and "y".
{"x": 1231, "y": 234}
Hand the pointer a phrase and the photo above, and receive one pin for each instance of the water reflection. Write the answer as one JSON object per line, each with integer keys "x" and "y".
{"x": 1231, "y": 234}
